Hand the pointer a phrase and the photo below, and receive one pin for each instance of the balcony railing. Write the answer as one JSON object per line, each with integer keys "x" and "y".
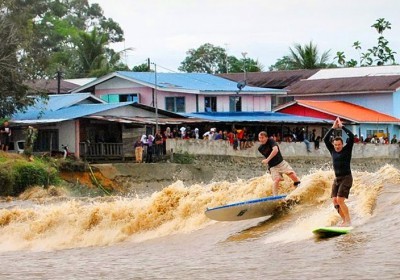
{"x": 101, "y": 150}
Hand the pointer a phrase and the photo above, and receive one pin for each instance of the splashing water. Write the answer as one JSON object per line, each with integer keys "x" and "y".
{"x": 46, "y": 223}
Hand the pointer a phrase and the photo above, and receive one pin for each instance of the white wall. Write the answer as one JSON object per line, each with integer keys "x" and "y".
{"x": 66, "y": 135}
{"x": 298, "y": 149}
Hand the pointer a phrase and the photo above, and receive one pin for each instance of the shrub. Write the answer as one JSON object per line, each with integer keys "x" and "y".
{"x": 33, "y": 173}
{"x": 185, "y": 158}
{"x": 6, "y": 179}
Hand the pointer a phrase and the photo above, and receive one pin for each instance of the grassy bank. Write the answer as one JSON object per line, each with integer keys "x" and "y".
{"x": 19, "y": 174}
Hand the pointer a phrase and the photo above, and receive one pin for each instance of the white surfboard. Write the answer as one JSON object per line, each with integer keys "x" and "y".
{"x": 244, "y": 210}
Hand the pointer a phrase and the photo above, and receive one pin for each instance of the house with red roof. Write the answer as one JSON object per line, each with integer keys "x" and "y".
{"x": 361, "y": 120}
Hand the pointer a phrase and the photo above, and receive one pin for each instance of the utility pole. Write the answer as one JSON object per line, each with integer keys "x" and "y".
{"x": 155, "y": 94}
{"x": 244, "y": 65}
{"x": 59, "y": 76}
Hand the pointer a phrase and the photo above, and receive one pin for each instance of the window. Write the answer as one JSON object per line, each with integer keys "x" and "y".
{"x": 175, "y": 104}
{"x": 129, "y": 97}
{"x": 377, "y": 132}
{"x": 210, "y": 104}
{"x": 115, "y": 98}
{"x": 279, "y": 100}
{"x": 235, "y": 104}
{"x": 47, "y": 140}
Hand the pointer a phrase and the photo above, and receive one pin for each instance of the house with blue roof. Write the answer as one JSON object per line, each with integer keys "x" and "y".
{"x": 89, "y": 126}
{"x": 181, "y": 92}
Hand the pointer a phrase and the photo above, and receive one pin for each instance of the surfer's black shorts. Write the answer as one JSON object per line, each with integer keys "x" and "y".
{"x": 341, "y": 186}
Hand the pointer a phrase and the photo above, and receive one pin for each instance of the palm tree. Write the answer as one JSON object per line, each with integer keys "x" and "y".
{"x": 307, "y": 57}
{"x": 95, "y": 59}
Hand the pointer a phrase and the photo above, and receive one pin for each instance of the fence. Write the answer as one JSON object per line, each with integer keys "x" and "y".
{"x": 101, "y": 151}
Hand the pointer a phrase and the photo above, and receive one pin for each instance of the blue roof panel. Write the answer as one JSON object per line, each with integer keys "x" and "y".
{"x": 191, "y": 81}
{"x": 72, "y": 112}
{"x": 255, "y": 117}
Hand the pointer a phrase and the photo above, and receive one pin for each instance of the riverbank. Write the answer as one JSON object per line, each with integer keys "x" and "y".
{"x": 149, "y": 177}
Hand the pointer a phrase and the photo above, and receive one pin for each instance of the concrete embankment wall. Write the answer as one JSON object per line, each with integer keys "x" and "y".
{"x": 288, "y": 150}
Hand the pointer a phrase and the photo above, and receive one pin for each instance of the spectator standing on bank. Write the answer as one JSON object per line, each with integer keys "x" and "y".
{"x": 150, "y": 148}
{"x": 315, "y": 139}
{"x": 138, "y": 150}
{"x": 6, "y": 136}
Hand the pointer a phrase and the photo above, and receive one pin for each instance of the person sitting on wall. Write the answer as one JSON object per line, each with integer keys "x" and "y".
{"x": 394, "y": 140}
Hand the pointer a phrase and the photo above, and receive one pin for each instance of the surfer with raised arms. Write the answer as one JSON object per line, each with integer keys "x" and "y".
{"x": 341, "y": 158}
{"x": 276, "y": 164}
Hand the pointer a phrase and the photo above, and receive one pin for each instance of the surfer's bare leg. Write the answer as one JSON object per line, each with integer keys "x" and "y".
{"x": 294, "y": 178}
{"x": 275, "y": 186}
{"x": 343, "y": 210}
{"x": 337, "y": 207}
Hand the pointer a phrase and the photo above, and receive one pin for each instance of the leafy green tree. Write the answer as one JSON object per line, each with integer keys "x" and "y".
{"x": 245, "y": 64}
{"x": 13, "y": 92}
{"x": 49, "y": 31}
{"x": 144, "y": 67}
{"x": 281, "y": 64}
{"x": 381, "y": 54}
{"x": 213, "y": 60}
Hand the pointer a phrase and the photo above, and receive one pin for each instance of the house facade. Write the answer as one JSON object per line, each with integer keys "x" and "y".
{"x": 181, "y": 92}
{"x": 361, "y": 120}
{"x": 89, "y": 126}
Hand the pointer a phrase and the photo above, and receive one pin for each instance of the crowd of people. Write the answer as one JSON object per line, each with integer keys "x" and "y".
{"x": 153, "y": 147}
{"x": 375, "y": 139}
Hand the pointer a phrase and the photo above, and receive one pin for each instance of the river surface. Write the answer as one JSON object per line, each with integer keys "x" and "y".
{"x": 165, "y": 234}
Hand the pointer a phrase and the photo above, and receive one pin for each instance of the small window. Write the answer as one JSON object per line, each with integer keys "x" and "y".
{"x": 115, "y": 98}
{"x": 210, "y": 104}
{"x": 235, "y": 104}
{"x": 175, "y": 104}
{"x": 129, "y": 97}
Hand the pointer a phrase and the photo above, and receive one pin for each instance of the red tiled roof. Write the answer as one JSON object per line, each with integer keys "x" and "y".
{"x": 348, "y": 111}
{"x": 367, "y": 84}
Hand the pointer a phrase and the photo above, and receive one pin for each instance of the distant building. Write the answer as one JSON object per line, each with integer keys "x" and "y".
{"x": 181, "y": 92}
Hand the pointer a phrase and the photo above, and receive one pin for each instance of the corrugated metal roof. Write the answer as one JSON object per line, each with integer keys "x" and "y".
{"x": 347, "y": 111}
{"x": 371, "y": 84}
{"x": 80, "y": 81}
{"x": 268, "y": 117}
{"x": 182, "y": 82}
{"x": 50, "y": 86}
{"x": 146, "y": 120}
{"x": 190, "y": 81}
{"x": 68, "y": 113}
{"x": 272, "y": 79}
{"x": 356, "y": 72}
{"x": 72, "y": 106}
{"x": 56, "y": 102}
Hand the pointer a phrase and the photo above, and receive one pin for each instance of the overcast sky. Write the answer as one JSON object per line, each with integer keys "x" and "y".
{"x": 164, "y": 30}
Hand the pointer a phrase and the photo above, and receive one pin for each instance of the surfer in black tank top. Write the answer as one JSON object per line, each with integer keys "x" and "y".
{"x": 341, "y": 158}
{"x": 276, "y": 164}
